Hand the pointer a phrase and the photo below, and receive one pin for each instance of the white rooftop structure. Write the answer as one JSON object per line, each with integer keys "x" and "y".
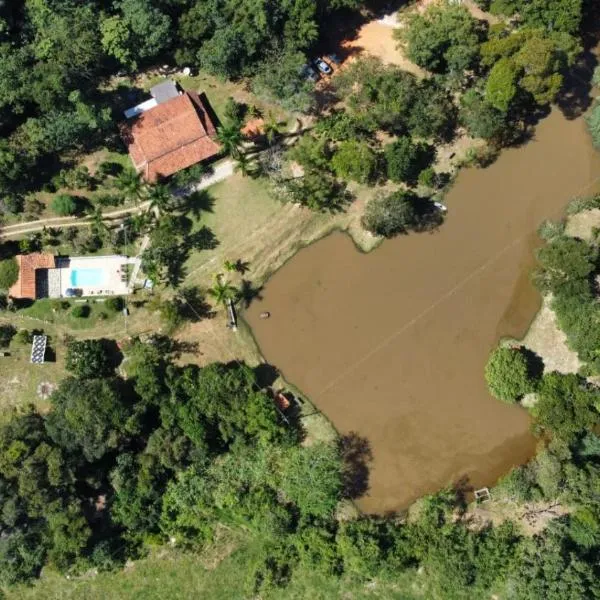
{"x": 140, "y": 108}
{"x": 161, "y": 92}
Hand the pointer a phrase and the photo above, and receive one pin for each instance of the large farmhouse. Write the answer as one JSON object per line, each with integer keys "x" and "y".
{"x": 173, "y": 130}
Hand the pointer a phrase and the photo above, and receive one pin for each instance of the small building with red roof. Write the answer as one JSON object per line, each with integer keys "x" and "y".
{"x": 173, "y": 130}
{"x": 32, "y": 281}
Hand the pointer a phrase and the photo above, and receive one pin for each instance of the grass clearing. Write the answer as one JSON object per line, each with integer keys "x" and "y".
{"x": 19, "y": 378}
{"x": 218, "y": 92}
{"x": 177, "y": 575}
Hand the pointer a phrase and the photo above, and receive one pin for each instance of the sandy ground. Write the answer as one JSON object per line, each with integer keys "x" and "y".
{"x": 532, "y": 517}
{"x": 377, "y": 39}
{"x": 548, "y": 341}
{"x": 582, "y": 224}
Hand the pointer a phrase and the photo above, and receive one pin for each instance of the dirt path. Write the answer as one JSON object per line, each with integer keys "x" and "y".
{"x": 220, "y": 172}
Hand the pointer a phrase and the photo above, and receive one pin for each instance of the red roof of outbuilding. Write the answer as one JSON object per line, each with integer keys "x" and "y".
{"x": 28, "y": 264}
{"x": 171, "y": 136}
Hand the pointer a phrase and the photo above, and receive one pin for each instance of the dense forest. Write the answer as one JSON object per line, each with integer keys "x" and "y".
{"x": 56, "y": 56}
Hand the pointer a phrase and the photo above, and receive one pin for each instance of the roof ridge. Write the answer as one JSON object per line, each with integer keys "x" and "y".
{"x": 179, "y": 148}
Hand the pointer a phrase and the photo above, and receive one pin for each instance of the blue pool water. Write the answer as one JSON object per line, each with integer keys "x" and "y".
{"x": 87, "y": 277}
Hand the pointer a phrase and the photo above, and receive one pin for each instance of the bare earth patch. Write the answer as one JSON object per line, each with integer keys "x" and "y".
{"x": 582, "y": 224}
{"x": 377, "y": 39}
{"x": 548, "y": 341}
{"x": 533, "y": 517}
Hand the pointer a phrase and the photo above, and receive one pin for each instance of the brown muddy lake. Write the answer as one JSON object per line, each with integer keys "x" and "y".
{"x": 392, "y": 344}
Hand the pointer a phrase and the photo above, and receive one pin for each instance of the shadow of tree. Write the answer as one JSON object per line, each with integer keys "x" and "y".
{"x": 195, "y": 308}
{"x": 535, "y": 363}
{"x": 462, "y": 489}
{"x": 198, "y": 202}
{"x": 248, "y": 293}
{"x": 356, "y": 455}
{"x": 266, "y": 375}
{"x": 429, "y": 216}
{"x": 180, "y": 347}
{"x": 203, "y": 239}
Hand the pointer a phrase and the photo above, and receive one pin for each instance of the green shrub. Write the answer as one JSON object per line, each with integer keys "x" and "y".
{"x": 7, "y": 332}
{"x": 507, "y": 374}
{"x": 114, "y": 303}
{"x": 23, "y": 336}
{"x": 390, "y": 215}
{"x": 406, "y": 159}
{"x": 549, "y": 230}
{"x": 593, "y": 123}
{"x": 64, "y": 205}
{"x": 578, "y": 205}
{"x": 566, "y": 405}
{"x": 427, "y": 177}
{"x": 9, "y": 273}
{"x": 565, "y": 264}
{"x": 354, "y": 160}
{"x": 81, "y": 311}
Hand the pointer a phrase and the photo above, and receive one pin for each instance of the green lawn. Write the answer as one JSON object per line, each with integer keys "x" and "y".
{"x": 238, "y": 208}
{"x": 219, "y": 91}
{"x": 48, "y": 310}
{"x": 19, "y": 378}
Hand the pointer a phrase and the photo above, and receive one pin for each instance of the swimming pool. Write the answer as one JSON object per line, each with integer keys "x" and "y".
{"x": 87, "y": 277}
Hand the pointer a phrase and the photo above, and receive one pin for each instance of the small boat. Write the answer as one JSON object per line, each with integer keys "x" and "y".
{"x": 265, "y": 315}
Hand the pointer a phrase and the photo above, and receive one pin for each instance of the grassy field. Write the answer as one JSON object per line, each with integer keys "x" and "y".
{"x": 182, "y": 576}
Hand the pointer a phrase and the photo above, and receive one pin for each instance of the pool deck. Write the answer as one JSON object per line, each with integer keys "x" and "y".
{"x": 112, "y": 278}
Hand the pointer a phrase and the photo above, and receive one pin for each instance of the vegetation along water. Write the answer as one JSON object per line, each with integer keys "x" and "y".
{"x": 392, "y": 344}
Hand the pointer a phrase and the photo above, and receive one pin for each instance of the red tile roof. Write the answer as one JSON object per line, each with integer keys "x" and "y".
{"x": 171, "y": 136}
{"x": 28, "y": 264}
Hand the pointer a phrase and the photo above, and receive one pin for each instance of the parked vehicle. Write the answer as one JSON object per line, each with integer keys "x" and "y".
{"x": 309, "y": 73}
{"x": 323, "y": 66}
{"x": 441, "y": 207}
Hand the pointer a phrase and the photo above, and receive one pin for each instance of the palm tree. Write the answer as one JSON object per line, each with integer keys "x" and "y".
{"x": 243, "y": 165}
{"x": 222, "y": 291}
{"x": 230, "y": 137}
{"x": 160, "y": 198}
{"x": 137, "y": 224}
{"x": 229, "y": 266}
{"x": 98, "y": 225}
{"x": 131, "y": 184}
{"x": 272, "y": 129}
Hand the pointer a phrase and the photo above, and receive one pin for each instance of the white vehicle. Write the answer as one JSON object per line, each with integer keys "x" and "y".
{"x": 323, "y": 66}
{"x": 441, "y": 207}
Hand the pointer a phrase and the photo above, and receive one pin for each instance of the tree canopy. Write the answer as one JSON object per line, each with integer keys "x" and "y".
{"x": 508, "y": 374}
{"x": 9, "y": 273}
{"x": 444, "y": 38}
